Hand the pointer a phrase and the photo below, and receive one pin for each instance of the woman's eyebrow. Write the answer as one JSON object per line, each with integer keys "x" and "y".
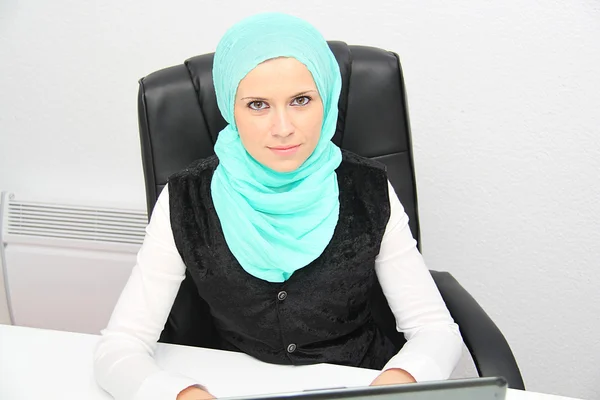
{"x": 302, "y": 93}
{"x": 291, "y": 97}
{"x": 254, "y": 98}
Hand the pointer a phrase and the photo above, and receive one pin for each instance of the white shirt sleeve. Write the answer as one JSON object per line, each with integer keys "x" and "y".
{"x": 123, "y": 361}
{"x": 434, "y": 343}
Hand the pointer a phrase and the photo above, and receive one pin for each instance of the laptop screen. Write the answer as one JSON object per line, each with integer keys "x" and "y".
{"x": 460, "y": 389}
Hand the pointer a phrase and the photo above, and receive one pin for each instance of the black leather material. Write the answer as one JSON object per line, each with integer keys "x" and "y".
{"x": 179, "y": 122}
{"x": 490, "y": 350}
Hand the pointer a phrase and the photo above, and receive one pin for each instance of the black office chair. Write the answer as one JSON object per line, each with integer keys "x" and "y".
{"x": 179, "y": 122}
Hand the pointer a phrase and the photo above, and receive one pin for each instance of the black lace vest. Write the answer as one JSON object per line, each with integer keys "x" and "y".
{"x": 322, "y": 313}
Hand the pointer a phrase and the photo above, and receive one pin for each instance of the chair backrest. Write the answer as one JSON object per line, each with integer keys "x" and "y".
{"x": 179, "y": 122}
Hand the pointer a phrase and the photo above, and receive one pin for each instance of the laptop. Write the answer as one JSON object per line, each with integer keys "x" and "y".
{"x": 459, "y": 389}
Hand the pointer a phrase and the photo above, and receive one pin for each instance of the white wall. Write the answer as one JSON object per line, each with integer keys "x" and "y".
{"x": 4, "y": 313}
{"x": 504, "y": 101}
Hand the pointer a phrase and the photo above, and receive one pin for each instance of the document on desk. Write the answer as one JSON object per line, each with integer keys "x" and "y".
{"x": 251, "y": 377}
{"x": 299, "y": 379}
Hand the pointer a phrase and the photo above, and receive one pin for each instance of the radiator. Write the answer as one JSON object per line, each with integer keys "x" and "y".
{"x": 65, "y": 266}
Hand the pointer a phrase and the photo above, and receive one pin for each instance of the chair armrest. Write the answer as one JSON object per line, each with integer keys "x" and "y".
{"x": 488, "y": 347}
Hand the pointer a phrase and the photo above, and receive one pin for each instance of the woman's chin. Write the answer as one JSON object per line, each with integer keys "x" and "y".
{"x": 283, "y": 166}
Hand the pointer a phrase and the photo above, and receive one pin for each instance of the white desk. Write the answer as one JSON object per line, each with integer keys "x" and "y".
{"x": 44, "y": 364}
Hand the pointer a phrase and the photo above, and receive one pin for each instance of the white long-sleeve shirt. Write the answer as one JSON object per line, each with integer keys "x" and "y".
{"x": 123, "y": 360}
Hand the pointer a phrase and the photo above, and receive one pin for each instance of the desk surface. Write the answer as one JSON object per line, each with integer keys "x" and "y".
{"x": 44, "y": 364}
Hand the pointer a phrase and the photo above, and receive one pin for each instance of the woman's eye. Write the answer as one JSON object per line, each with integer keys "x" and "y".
{"x": 257, "y": 105}
{"x": 301, "y": 101}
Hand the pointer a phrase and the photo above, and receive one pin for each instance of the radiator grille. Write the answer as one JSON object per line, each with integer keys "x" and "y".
{"x": 75, "y": 222}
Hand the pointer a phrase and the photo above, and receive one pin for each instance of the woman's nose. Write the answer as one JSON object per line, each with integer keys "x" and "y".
{"x": 282, "y": 124}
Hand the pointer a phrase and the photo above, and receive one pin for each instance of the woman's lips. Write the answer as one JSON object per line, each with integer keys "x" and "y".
{"x": 285, "y": 150}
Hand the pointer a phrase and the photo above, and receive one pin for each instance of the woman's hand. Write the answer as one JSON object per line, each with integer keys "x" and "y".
{"x": 194, "y": 393}
{"x": 393, "y": 376}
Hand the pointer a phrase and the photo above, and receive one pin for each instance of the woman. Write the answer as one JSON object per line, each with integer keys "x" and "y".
{"x": 291, "y": 228}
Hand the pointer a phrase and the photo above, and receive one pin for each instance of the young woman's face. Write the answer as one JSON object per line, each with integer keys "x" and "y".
{"x": 279, "y": 113}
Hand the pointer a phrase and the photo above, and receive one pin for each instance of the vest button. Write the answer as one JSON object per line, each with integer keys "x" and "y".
{"x": 291, "y": 348}
{"x": 282, "y": 295}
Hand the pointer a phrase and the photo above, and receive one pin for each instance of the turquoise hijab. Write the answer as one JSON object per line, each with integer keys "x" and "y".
{"x": 275, "y": 223}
